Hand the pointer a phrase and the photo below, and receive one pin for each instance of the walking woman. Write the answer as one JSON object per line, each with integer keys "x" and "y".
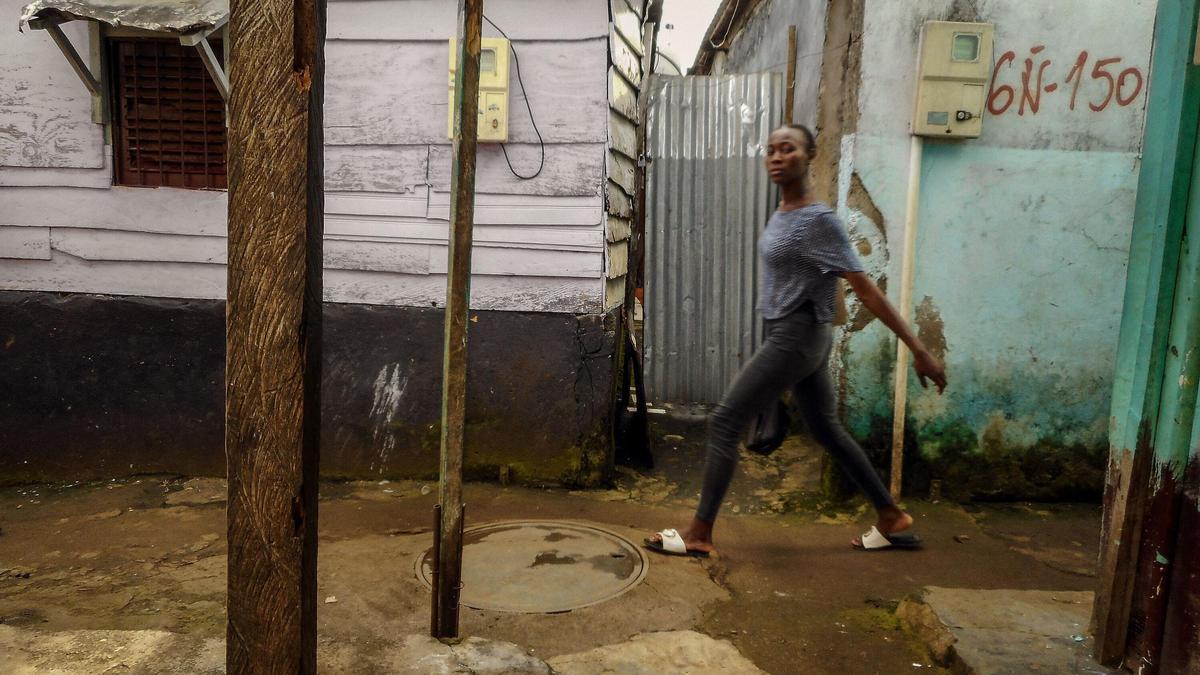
{"x": 802, "y": 252}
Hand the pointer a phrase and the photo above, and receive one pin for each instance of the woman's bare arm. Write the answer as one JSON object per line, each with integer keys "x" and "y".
{"x": 926, "y": 364}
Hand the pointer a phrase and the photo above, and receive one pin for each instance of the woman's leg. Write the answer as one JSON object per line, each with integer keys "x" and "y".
{"x": 779, "y": 364}
{"x": 758, "y": 384}
{"x": 793, "y": 348}
{"x": 818, "y": 404}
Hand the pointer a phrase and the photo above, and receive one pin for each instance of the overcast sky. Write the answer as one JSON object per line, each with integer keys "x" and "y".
{"x": 684, "y": 23}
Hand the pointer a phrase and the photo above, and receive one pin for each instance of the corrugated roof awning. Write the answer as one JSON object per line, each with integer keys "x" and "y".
{"x": 191, "y": 21}
{"x": 176, "y": 17}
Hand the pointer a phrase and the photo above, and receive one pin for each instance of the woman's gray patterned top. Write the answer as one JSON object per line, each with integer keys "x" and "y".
{"x": 802, "y": 252}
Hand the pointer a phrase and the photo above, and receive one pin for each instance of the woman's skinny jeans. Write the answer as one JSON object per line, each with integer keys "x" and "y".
{"x": 796, "y": 356}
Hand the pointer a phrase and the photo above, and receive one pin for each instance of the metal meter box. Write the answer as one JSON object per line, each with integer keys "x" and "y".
{"x": 952, "y": 79}
{"x": 493, "y": 89}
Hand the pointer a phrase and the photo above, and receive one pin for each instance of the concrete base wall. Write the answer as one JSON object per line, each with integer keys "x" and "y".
{"x": 98, "y": 387}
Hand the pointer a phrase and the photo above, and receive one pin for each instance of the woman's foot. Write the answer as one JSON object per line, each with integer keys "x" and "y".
{"x": 697, "y": 536}
{"x": 891, "y": 520}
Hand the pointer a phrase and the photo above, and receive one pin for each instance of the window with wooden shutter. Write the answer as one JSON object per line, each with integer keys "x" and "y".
{"x": 169, "y": 118}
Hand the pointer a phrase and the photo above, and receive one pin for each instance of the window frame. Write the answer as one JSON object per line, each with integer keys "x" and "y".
{"x": 100, "y": 38}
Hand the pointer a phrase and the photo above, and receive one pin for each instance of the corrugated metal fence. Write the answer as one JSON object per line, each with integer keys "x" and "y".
{"x": 707, "y": 199}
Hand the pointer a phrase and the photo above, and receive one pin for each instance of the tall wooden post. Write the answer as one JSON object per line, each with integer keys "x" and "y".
{"x": 789, "y": 103}
{"x": 900, "y": 385}
{"x": 458, "y": 301}
{"x": 273, "y": 338}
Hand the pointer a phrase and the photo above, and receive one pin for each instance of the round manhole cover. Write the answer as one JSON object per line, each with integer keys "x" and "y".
{"x": 542, "y": 566}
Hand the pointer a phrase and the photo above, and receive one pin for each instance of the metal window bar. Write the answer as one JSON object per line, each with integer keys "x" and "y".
{"x": 171, "y": 117}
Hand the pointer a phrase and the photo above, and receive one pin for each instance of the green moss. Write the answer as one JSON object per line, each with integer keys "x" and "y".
{"x": 881, "y": 618}
{"x": 979, "y": 465}
{"x": 945, "y": 436}
{"x": 489, "y": 446}
{"x": 591, "y": 462}
{"x": 984, "y": 466}
{"x": 803, "y": 501}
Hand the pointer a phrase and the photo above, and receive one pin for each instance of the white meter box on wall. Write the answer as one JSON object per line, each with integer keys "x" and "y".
{"x": 952, "y": 78}
{"x": 493, "y": 89}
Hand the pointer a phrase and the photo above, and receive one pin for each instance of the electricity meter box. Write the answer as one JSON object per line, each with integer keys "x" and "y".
{"x": 952, "y": 79}
{"x": 493, "y": 89}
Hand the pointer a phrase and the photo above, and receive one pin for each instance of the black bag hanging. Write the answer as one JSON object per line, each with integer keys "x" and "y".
{"x": 769, "y": 429}
{"x": 632, "y": 428}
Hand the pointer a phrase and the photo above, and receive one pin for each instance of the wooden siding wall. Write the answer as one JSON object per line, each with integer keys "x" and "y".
{"x": 624, "y": 83}
{"x": 540, "y": 244}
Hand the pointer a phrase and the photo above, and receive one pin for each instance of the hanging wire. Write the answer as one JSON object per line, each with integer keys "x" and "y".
{"x": 541, "y": 143}
{"x": 732, "y": 16}
{"x": 658, "y": 54}
{"x": 849, "y": 42}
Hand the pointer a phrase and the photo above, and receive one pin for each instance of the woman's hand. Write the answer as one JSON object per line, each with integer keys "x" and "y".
{"x": 927, "y": 366}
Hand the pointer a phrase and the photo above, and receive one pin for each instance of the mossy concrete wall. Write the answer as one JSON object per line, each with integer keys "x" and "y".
{"x": 100, "y": 387}
{"x": 1021, "y": 249}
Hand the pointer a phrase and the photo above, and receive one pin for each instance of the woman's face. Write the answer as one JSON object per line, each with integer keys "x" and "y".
{"x": 787, "y": 155}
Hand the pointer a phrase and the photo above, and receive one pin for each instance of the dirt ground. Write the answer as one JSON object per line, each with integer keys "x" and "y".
{"x": 786, "y": 589}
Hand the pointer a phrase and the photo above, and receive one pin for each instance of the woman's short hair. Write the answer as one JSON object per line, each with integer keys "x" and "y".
{"x": 809, "y": 136}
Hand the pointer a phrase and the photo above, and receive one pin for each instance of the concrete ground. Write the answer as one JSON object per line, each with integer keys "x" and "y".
{"x": 148, "y": 554}
{"x": 1005, "y": 632}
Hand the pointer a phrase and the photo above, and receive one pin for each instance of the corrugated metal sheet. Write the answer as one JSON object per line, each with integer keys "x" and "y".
{"x": 166, "y": 16}
{"x": 707, "y": 199}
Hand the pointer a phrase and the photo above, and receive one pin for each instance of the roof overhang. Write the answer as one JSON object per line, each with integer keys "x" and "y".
{"x": 728, "y": 21}
{"x": 173, "y": 17}
{"x": 189, "y": 21}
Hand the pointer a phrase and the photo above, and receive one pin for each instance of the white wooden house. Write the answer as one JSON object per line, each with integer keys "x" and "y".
{"x": 113, "y": 221}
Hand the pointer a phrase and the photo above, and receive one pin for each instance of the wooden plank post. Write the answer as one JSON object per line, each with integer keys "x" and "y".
{"x": 789, "y": 103}
{"x": 458, "y": 297}
{"x": 900, "y": 384}
{"x": 636, "y": 273}
{"x": 273, "y": 333}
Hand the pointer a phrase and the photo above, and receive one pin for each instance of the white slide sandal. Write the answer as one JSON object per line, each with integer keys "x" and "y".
{"x": 672, "y": 544}
{"x": 874, "y": 540}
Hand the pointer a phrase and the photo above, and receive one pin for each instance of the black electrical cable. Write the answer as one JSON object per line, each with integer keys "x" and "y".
{"x": 662, "y": 55}
{"x": 541, "y": 143}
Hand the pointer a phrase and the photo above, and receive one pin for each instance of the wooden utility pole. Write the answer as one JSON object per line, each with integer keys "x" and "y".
{"x": 273, "y": 333}
{"x": 458, "y": 302}
{"x": 900, "y": 385}
{"x": 789, "y": 103}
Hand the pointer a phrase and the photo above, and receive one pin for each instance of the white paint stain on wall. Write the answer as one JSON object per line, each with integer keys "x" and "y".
{"x": 389, "y": 389}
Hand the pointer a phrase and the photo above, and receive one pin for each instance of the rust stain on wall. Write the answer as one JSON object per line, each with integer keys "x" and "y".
{"x": 837, "y": 98}
{"x": 930, "y": 328}
{"x": 860, "y": 200}
{"x": 837, "y": 116}
{"x": 964, "y": 10}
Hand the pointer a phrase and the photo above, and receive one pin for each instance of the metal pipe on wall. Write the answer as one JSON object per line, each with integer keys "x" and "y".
{"x": 900, "y": 390}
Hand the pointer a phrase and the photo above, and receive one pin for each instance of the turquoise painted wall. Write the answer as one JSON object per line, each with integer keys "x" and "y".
{"x": 1022, "y": 248}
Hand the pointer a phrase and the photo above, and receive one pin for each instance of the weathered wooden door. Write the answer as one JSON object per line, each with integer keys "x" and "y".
{"x": 1147, "y": 613}
{"x": 707, "y": 198}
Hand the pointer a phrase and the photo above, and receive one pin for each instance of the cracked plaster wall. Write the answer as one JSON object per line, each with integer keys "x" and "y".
{"x": 1021, "y": 249}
